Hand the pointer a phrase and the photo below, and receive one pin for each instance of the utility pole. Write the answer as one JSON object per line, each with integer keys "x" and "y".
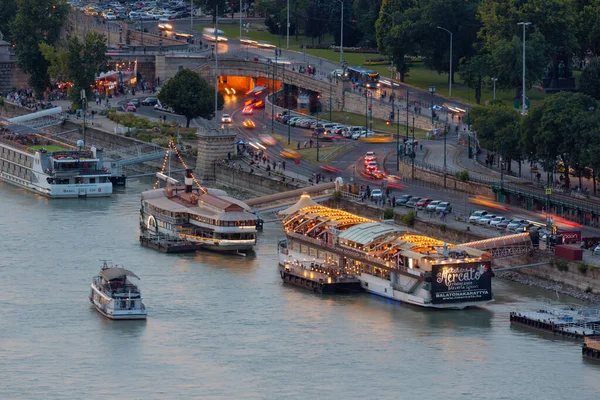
{"x": 414, "y": 154}
{"x": 317, "y": 127}
{"x": 241, "y": 6}
{"x": 288, "y": 26}
{"x": 342, "y": 34}
{"x": 398, "y": 141}
{"x": 330, "y": 95}
{"x": 407, "y": 93}
{"x": 274, "y": 96}
{"x": 191, "y": 15}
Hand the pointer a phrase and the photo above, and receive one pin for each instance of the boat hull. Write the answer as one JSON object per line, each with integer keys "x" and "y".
{"x": 66, "y": 192}
{"x": 120, "y": 316}
{"x": 315, "y": 286}
{"x": 384, "y": 288}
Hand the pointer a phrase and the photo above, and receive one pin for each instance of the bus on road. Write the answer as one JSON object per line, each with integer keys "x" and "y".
{"x": 363, "y": 77}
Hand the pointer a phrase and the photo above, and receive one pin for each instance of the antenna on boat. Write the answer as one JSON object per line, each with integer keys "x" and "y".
{"x": 105, "y": 264}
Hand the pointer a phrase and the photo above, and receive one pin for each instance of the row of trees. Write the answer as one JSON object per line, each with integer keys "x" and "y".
{"x": 487, "y": 42}
{"x": 562, "y": 130}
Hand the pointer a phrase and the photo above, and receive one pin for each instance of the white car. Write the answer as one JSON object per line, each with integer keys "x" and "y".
{"x": 476, "y": 216}
{"x": 226, "y": 119}
{"x": 364, "y": 134}
{"x": 376, "y": 194}
{"x": 431, "y": 206}
{"x": 495, "y": 221}
{"x": 485, "y": 220}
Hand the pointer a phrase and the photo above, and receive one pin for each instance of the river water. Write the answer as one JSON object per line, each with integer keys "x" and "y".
{"x": 224, "y": 327}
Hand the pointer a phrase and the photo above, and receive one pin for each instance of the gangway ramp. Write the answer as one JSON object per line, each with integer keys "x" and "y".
{"x": 503, "y": 246}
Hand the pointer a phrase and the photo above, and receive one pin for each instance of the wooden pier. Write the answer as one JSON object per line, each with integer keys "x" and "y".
{"x": 168, "y": 245}
{"x": 561, "y": 323}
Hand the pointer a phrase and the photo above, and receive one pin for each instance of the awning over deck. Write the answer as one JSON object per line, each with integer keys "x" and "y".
{"x": 111, "y": 274}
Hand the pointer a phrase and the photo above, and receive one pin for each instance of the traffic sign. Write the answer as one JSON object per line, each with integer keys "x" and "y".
{"x": 548, "y": 191}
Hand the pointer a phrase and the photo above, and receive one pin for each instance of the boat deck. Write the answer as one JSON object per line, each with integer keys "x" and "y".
{"x": 168, "y": 245}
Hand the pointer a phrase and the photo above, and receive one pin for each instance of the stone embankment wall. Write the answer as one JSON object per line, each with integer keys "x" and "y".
{"x": 437, "y": 178}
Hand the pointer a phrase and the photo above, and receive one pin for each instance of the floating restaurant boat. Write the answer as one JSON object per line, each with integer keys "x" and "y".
{"x": 48, "y": 167}
{"x": 115, "y": 296}
{"x": 207, "y": 218}
{"x": 386, "y": 260}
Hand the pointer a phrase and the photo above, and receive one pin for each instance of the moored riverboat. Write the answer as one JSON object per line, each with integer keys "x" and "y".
{"x": 46, "y": 166}
{"x": 387, "y": 260}
{"x": 115, "y": 296}
{"x": 203, "y": 217}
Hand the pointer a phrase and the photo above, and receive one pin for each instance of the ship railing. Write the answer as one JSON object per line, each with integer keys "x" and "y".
{"x": 16, "y": 145}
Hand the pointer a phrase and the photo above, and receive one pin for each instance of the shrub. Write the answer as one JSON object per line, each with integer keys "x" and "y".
{"x": 582, "y": 267}
{"x": 462, "y": 175}
{"x": 560, "y": 264}
{"x": 409, "y": 218}
{"x": 443, "y": 228}
{"x": 388, "y": 213}
{"x": 337, "y": 196}
{"x": 1, "y": 101}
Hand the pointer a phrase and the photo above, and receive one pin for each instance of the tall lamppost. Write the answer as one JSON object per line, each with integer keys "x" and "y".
{"x": 317, "y": 127}
{"x": 432, "y": 91}
{"x": 288, "y": 26}
{"x": 217, "y": 65}
{"x": 398, "y": 140}
{"x": 494, "y": 80}
{"x": 445, "y": 136}
{"x": 414, "y": 153}
{"x": 342, "y": 34}
{"x": 450, "y": 77}
{"x": 191, "y": 14}
{"x": 524, "y": 25}
{"x": 273, "y": 98}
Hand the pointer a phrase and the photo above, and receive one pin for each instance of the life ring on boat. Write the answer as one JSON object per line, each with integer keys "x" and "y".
{"x": 152, "y": 224}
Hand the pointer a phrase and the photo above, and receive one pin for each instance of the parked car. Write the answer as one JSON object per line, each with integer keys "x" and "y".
{"x": 514, "y": 224}
{"x": 363, "y": 134}
{"x": 413, "y": 201}
{"x": 150, "y": 101}
{"x": 503, "y": 224}
{"x": 376, "y": 194}
{"x": 495, "y": 221}
{"x": 130, "y": 107}
{"x": 597, "y": 250}
{"x": 486, "y": 219}
{"x": 444, "y": 206}
{"x": 432, "y": 205}
{"x": 401, "y": 201}
{"x": 226, "y": 119}
{"x": 477, "y": 215}
{"x": 423, "y": 203}
{"x": 524, "y": 227}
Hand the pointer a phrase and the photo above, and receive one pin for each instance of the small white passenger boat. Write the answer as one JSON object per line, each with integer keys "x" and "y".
{"x": 114, "y": 295}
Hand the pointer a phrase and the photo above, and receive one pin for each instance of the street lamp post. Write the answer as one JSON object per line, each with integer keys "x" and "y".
{"x": 191, "y": 14}
{"x": 450, "y": 77}
{"x": 432, "y": 91}
{"x": 398, "y": 141}
{"x": 274, "y": 96}
{"x": 279, "y": 28}
{"x": 414, "y": 153}
{"x": 342, "y": 34}
{"x": 241, "y": 6}
{"x": 216, "y": 65}
{"x": 317, "y": 127}
{"x": 407, "y": 94}
{"x": 445, "y": 136}
{"x": 494, "y": 80}
{"x": 524, "y": 25}
{"x": 288, "y": 25}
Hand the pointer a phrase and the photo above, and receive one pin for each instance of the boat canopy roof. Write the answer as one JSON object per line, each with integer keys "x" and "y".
{"x": 110, "y": 274}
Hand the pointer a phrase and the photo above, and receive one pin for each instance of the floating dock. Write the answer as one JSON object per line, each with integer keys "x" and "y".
{"x": 567, "y": 323}
{"x": 591, "y": 347}
{"x": 168, "y": 245}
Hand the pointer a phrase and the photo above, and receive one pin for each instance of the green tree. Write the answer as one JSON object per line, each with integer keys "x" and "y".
{"x": 210, "y": 7}
{"x": 592, "y": 150}
{"x": 556, "y": 128}
{"x": 190, "y": 95}
{"x": 589, "y": 82}
{"x": 395, "y": 29}
{"x": 37, "y": 21}
{"x": 87, "y": 58}
{"x": 460, "y": 18}
{"x": 366, "y": 13}
{"x": 551, "y": 35}
{"x": 473, "y": 71}
{"x": 58, "y": 57}
{"x": 498, "y": 129}
{"x": 8, "y": 9}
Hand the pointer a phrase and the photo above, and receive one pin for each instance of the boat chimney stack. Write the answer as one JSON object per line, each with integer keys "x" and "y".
{"x": 188, "y": 180}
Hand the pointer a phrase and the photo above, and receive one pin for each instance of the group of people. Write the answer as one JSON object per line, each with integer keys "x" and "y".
{"x": 26, "y": 98}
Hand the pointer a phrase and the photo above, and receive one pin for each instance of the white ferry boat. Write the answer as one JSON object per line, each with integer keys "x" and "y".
{"x": 387, "y": 260}
{"x": 115, "y": 296}
{"x": 209, "y": 218}
{"x": 51, "y": 168}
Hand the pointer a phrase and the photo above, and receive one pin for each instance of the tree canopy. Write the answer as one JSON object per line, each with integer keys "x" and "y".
{"x": 589, "y": 82}
{"x": 37, "y": 21}
{"x": 188, "y": 94}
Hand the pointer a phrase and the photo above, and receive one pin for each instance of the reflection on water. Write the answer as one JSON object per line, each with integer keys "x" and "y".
{"x": 224, "y": 326}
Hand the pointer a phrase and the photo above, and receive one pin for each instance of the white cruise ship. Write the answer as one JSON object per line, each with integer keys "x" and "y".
{"x": 51, "y": 168}
{"x": 115, "y": 296}
{"x": 208, "y": 218}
